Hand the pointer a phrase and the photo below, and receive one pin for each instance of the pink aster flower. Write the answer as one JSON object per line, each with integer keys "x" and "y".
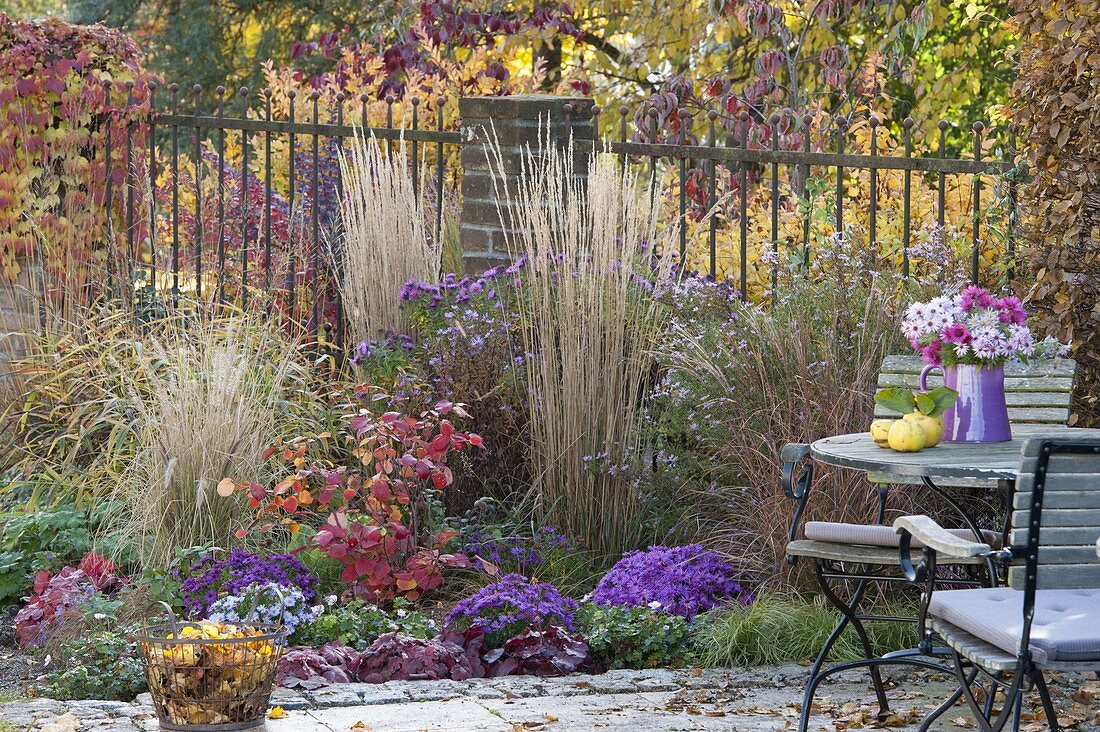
{"x": 974, "y": 296}
{"x": 955, "y": 333}
{"x": 931, "y": 353}
{"x": 1012, "y": 310}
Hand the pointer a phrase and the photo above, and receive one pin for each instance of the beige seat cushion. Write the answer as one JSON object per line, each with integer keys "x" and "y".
{"x": 874, "y": 534}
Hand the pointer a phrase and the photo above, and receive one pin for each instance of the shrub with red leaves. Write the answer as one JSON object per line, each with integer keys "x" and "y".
{"x": 56, "y": 595}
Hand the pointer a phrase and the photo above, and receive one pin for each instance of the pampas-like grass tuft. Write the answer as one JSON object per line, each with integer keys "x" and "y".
{"x": 587, "y": 314}
{"x": 211, "y": 398}
{"x": 386, "y": 241}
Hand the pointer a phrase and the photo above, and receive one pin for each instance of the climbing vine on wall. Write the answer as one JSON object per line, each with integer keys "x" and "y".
{"x": 54, "y": 108}
{"x": 1055, "y": 101}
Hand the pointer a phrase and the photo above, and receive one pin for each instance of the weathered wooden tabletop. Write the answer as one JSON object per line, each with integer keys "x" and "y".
{"x": 987, "y": 461}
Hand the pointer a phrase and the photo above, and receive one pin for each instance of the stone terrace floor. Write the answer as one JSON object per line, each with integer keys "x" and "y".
{"x": 748, "y": 700}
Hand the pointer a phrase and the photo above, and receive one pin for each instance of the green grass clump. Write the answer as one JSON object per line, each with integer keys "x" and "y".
{"x": 774, "y": 630}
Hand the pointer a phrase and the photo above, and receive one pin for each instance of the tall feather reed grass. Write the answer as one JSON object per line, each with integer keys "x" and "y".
{"x": 587, "y": 317}
{"x": 386, "y": 240}
{"x": 209, "y": 397}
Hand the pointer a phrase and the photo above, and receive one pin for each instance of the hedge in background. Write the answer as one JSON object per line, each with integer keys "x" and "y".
{"x": 53, "y": 163}
{"x": 1054, "y": 101}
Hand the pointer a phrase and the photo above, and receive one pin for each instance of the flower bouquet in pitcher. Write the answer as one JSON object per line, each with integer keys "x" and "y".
{"x": 970, "y": 337}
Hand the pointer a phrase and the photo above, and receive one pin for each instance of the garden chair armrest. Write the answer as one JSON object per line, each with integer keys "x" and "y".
{"x": 939, "y": 539}
{"x": 796, "y": 484}
{"x": 792, "y": 454}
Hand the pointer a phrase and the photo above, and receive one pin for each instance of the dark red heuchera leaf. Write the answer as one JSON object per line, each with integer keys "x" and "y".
{"x": 393, "y": 657}
{"x": 312, "y": 668}
{"x": 550, "y": 652}
{"x": 56, "y": 595}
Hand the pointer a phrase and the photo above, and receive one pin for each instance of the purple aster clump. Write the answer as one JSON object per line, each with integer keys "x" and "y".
{"x": 232, "y": 574}
{"x": 511, "y": 605}
{"x": 681, "y": 580}
{"x": 517, "y": 552}
{"x": 453, "y": 289}
{"x": 391, "y": 341}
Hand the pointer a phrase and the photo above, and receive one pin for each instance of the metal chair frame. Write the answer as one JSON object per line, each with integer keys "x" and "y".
{"x": 1025, "y": 675}
{"x": 796, "y": 485}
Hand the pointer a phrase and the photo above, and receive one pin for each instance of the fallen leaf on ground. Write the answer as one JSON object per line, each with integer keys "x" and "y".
{"x": 276, "y": 713}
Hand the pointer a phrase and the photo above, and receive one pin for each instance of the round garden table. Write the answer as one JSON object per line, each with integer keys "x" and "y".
{"x": 958, "y": 465}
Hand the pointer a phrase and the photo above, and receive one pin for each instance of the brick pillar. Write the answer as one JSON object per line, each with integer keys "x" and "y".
{"x": 513, "y": 122}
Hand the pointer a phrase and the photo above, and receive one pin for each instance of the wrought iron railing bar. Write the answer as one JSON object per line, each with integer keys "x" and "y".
{"x": 743, "y": 285}
{"x": 1013, "y": 194}
{"x": 109, "y": 193}
{"x": 220, "y": 92}
{"x": 196, "y": 90}
{"x": 799, "y": 157}
{"x": 152, "y": 182}
{"x": 291, "y": 280}
{"x": 308, "y": 128}
{"x": 841, "y": 125}
{"x": 130, "y": 253}
{"x": 807, "y": 215}
{"x": 335, "y": 258}
{"x": 623, "y": 157}
{"x": 872, "y": 183}
{"x": 941, "y": 182}
{"x": 415, "y": 101}
{"x": 712, "y": 193}
{"x": 174, "y": 89}
{"x": 267, "y": 196}
{"x": 244, "y": 200}
{"x": 439, "y": 163}
{"x": 975, "y": 261}
{"x": 774, "y": 120}
{"x": 907, "y": 198}
{"x": 315, "y": 213}
{"x": 685, "y": 125}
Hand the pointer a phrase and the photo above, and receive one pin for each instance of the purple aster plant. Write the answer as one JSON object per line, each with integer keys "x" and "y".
{"x": 521, "y": 553}
{"x": 217, "y": 574}
{"x": 510, "y": 606}
{"x": 682, "y": 580}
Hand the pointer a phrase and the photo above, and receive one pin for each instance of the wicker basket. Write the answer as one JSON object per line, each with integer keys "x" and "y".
{"x": 210, "y": 684}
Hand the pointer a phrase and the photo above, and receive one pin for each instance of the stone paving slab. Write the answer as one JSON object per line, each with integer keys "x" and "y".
{"x": 747, "y": 700}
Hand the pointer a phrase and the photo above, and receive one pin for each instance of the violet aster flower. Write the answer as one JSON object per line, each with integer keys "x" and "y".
{"x": 510, "y": 606}
{"x": 684, "y": 580}
{"x": 235, "y": 572}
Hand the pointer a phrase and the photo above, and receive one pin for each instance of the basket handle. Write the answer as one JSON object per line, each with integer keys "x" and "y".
{"x": 271, "y": 589}
{"x": 173, "y": 622}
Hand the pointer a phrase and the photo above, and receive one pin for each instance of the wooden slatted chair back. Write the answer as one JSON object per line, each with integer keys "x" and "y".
{"x": 1037, "y": 393}
{"x": 1070, "y": 521}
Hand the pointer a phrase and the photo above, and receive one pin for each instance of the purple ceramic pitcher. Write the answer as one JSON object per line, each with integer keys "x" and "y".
{"x": 980, "y": 413}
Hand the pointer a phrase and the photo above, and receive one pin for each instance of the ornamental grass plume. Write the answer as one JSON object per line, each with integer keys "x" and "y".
{"x": 210, "y": 397}
{"x": 592, "y": 247}
{"x": 386, "y": 239}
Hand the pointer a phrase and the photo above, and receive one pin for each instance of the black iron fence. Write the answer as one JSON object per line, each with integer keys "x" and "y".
{"x": 234, "y": 204}
{"x": 731, "y": 150}
{"x": 237, "y": 200}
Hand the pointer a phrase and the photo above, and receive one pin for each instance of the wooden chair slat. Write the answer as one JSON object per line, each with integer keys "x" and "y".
{"x": 1063, "y": 517}
{"x": 1012, "y": 383}
{"x": 1059, "y": 576}
{"x": 1058, "y": 499}
{"x": 913, "y": 364}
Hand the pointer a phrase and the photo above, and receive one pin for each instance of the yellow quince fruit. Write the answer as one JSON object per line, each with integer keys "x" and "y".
{"x": 906, "y": 436}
